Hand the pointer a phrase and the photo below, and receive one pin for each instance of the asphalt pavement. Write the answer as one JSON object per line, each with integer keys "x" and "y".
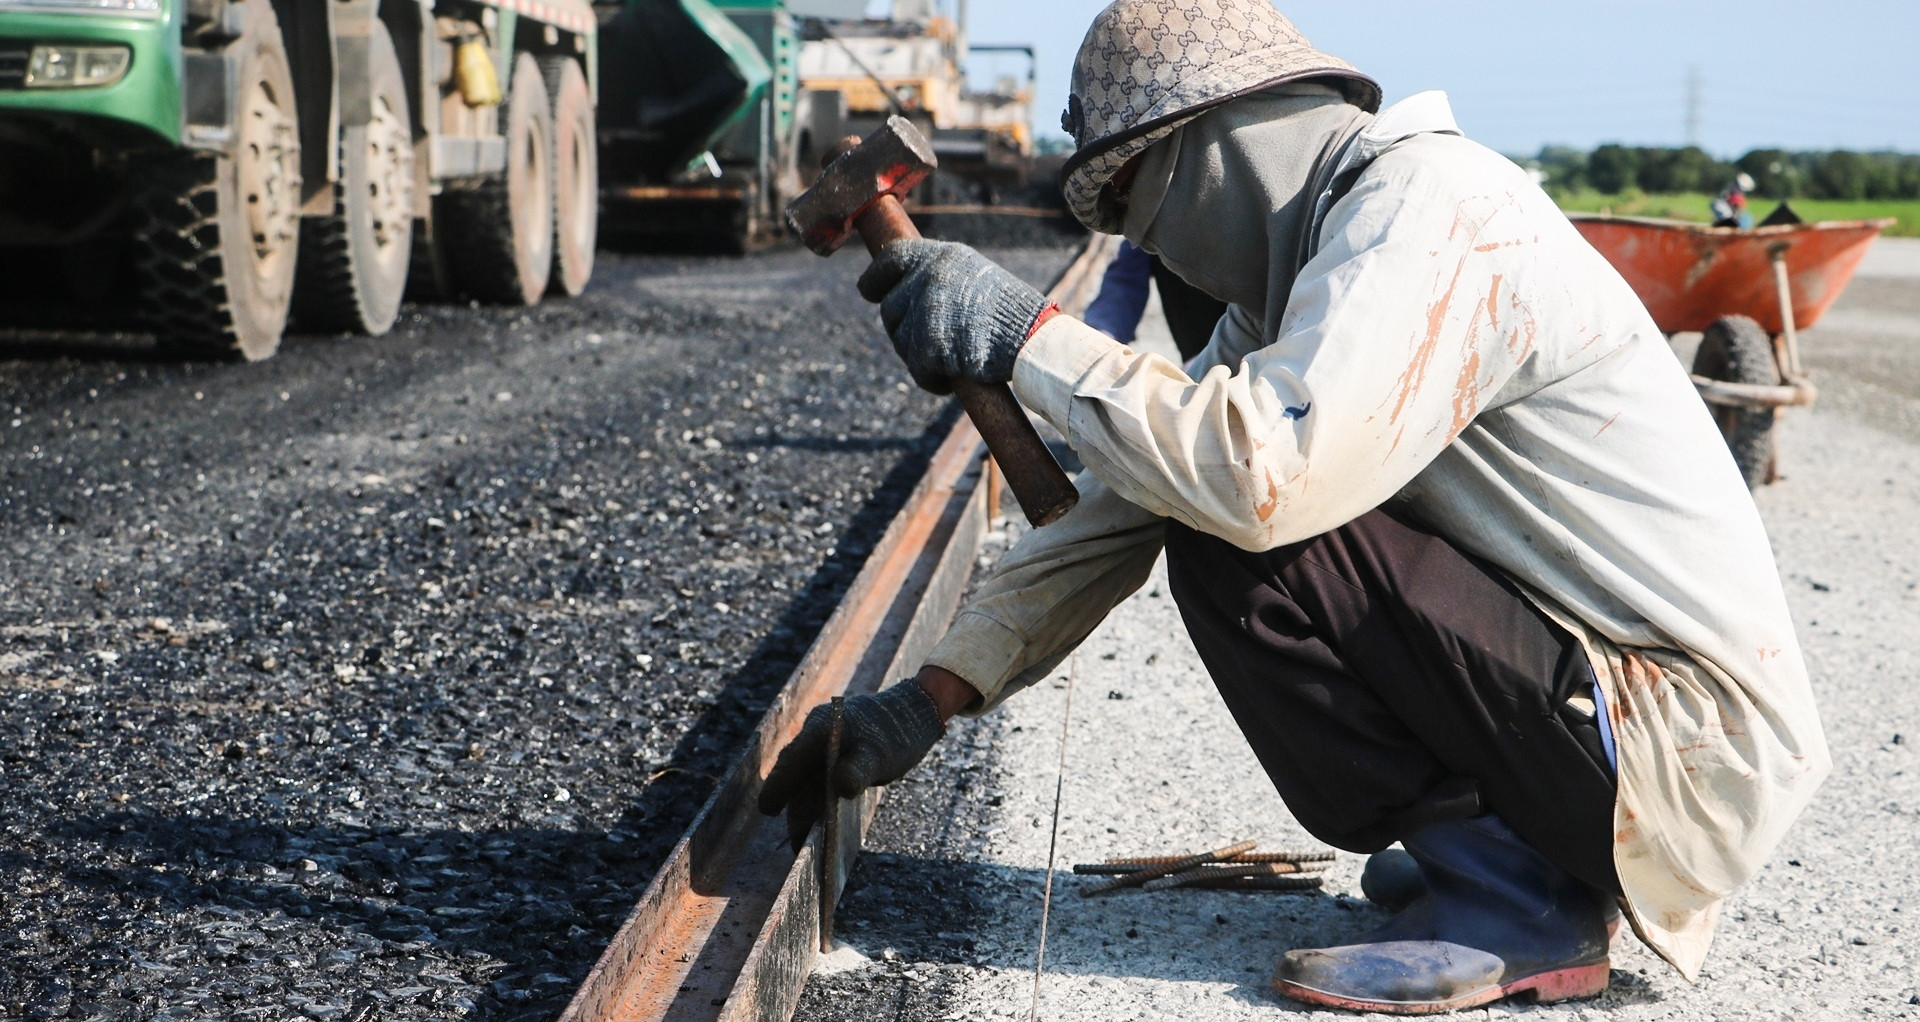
{"x": 375, "y": 680}
{"x": 942, "y": 916}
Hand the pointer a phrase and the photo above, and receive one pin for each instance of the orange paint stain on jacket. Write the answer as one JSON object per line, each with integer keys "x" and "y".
{"x": 1416, "y": 371}
{"x": 1520, "y": 340}
{"x": 1265, "y": 511}
{"x": 1466, "y": 395}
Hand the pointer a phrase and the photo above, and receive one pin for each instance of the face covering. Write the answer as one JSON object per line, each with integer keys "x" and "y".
{"x": 1222, "y": 200}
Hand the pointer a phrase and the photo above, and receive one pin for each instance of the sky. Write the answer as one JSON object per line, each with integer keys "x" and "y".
{"x": 1842, "y": 74}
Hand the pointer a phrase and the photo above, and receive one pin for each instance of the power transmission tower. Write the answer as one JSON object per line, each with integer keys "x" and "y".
{"x": 1693, "y": 105}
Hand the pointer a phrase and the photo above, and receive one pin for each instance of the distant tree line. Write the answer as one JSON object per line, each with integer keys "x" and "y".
{"x": 1777, "y": 173}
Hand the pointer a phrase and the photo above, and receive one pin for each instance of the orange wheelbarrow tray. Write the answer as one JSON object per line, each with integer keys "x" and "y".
{"x": 1782, "y": 277}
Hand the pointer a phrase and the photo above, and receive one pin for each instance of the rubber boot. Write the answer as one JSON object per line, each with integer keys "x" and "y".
{"x": 1392, "y": 880}
{"x": 1497, "y": 920}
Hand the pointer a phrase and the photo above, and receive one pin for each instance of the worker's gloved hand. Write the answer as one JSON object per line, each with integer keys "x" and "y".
{"x": 884, "y": 735}
{"x": 952, "y": 313}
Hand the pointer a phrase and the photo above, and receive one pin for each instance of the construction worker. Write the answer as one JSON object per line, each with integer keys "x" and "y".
{"x": 1191, "y": 313}
{"x": 1460, "y": 546}
{"x": 1729, "y": 208}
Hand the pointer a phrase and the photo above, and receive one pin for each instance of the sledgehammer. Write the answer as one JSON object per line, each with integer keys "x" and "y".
{"x": 859, "y": 192}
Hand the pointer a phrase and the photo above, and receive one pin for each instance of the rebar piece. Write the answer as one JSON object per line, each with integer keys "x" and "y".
{"x": 1122, "y": 869}
{"x": 1325, "y": 855}
{"x": 1135, "y": 879}
{"x": 1222, "y": 871}
{"x": 1103, "y": 868}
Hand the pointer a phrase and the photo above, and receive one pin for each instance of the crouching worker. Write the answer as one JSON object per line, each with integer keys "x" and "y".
{"x": 1454, "y": 536}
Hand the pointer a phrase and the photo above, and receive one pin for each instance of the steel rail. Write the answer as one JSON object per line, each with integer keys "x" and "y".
{"x": 728, "y": 929}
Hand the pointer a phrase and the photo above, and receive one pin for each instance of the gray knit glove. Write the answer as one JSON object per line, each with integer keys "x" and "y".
{"x": 952, "y": 313}
{"x": 884, "y": 735}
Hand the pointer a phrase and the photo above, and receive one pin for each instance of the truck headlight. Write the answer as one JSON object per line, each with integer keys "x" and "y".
{"x": 73, "y": 67}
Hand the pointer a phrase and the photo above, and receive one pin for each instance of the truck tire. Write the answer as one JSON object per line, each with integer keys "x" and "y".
{"x": 354, "y": 261}
{"x": 576, "y": 175}
{"x": 216, "y": 237}
{"x": 502, "y": 231}
{"x": 1734, "y": 349}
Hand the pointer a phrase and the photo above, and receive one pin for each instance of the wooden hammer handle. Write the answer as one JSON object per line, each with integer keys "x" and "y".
{"x": 884, "y": 222}
{"x": 1036, "y": 479}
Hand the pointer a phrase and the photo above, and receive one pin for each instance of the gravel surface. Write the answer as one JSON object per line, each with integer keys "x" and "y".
{"x": 373, "y": 681}
{"x": 1830, "y": 929}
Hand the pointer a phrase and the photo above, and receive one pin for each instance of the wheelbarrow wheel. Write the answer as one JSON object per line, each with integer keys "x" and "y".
{"x": 1735, "y": 350}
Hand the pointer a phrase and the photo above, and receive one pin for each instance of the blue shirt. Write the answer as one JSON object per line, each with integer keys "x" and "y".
{"x": 1122, "y": 300}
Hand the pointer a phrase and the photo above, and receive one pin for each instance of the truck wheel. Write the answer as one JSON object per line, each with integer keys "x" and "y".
{"x": 216, "y": 237}
{"x": 1735, "y": 350}
{"x": 353, "y": 261}
{"x": 576, "y": 175}
{"x": 502, "y": 231}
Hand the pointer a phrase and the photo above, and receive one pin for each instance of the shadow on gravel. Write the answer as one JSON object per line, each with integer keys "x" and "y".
{"x": 1625, "y": 987}
{"x": 244, "y": 881}
{"x": 947, "y": 912}
{"x": 106, "y": 345}
{"x": 50, "y": 345}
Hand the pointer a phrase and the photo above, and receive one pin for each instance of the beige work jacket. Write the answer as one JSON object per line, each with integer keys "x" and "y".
{"x": 1456, "y": 346}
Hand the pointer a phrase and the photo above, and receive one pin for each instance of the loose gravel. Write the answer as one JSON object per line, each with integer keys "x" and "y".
{"x": 372, "y": 682}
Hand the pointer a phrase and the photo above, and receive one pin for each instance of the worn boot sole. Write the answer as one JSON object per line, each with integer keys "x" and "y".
{"x": 1543, "y": 988}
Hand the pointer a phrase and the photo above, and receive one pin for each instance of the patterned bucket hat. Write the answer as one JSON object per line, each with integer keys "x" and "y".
{"x": 1148, "y": 66}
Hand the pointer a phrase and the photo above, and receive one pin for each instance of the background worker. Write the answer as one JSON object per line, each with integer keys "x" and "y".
{"x": 1729, "y": 208}
{"x": 1191, "y": 313}
{"x": 1460, "y": 547}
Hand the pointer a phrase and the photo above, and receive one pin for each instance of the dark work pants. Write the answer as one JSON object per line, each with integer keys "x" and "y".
{"x": 1387, "y": 680}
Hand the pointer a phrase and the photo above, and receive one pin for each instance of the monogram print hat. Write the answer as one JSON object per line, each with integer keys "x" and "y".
{"x": 1148, "y": 66}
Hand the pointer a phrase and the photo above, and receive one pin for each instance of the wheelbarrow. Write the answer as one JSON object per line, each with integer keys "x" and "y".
{"x": 1747, "y": 292}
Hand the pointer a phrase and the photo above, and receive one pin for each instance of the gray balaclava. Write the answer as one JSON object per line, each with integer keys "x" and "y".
{"x": 1222, "y": 201}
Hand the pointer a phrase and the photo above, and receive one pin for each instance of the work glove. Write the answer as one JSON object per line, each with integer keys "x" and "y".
{"x": 883, "y": 735}
{"x": 951, "y": 312}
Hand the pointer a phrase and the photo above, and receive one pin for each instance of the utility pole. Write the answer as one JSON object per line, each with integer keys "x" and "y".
{"x": 1693, "y": 104}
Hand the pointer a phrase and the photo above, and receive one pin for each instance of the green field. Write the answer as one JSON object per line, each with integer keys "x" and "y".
{"x": 1694, "y": 207}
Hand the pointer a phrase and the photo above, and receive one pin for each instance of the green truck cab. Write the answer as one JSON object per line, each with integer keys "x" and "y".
{"x": 216, "y": 166}
{"x": 83, "y": 67}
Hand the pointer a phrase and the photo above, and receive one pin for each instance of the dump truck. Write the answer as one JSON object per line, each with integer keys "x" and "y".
{"x": 216, "y": 166}
{"x": 704, "y": 133}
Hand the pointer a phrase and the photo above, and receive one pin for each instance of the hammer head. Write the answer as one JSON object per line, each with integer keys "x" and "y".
{"x": 888, "y": 162}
